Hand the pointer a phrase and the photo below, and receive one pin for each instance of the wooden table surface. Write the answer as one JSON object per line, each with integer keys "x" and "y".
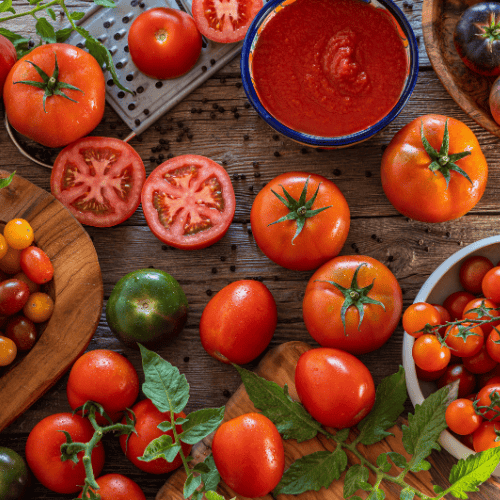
{"x": 253, "y": 154}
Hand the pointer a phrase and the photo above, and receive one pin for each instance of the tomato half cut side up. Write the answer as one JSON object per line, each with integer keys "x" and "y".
{"x": 99, "y": 180}
{"x": 188, "y": 202}
{"x": 225, "y": 21}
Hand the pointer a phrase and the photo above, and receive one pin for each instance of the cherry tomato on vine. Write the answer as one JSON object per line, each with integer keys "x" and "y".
{"x": 493, "y": 345}
{"x": 429, "y": 354}
{"x": 480, "y": 309}
{"x": 472, "y": 271}
{"x": 118, "y": 487}
{"x": 461, "y": 417}
{"x": 491, "y": 284}
{"x": 484, "y": 378}
{"x": 486, "y": 436}
{"x": 445, "y": 317}
{"x": 13, "y": 295}
{"x": 8, "y": 58}
{"x": 36, "y": 264}
{"x": 419, "y": 315}
{"x": 467, "y": 380}
{"x": 480, "y": 362}
{"x": 18, "y": 233}
{"x": 488, "y": 401}
{"x": 465, "y": 339}
{"x": 455, "y": 303}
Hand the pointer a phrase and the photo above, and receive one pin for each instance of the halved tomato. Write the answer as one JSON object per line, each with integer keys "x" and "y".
{"x": 188, "y": 202}
{"x": 99, "y": 180}
{"x": 225, "y": 21}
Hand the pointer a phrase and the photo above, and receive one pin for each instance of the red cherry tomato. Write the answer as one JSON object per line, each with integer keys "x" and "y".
{"x": 429, "y": 354}
{"x": 486, "y": 436}
{"x": 481, "y": 303}
{"x": 335, "y": 387}
{"x": 455, "y": 303}
{"x": 453, "y": 372}
{"x": 484, "y": 378}
{"x": 445, "y": 317}
{"x": 472, "y": 271}
{"x": 118, "y": 487}
{"x": 419, "y": 315}
{"x": 188, "y": 202}
{"x": 491, "y": 284}
{"x": 464, "y": 340}
{"x": 493, "y": 345}
{"x": 429, "y": 376}
{"x": 462, "y": 418}
{"x": 22, "y": 331}
{"x": 484, "y": 401}
{"x": 8, "y": 58}
{"x": 13, "y": 295}
{"x": 480, "y": 362}
{"x": 248, "y": 453}
{"x": 36, "y": 264}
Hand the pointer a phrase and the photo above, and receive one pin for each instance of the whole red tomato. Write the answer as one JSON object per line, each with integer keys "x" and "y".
{"x": 455, "y": 303}
{"x": 472, "y": 272}
{"x": 105, "y": 377}
{"x": 461, "y": 417}
{"x": 335, "y": 387}
{"x": 249, "y": 454}
{"x": 118, "y": 487}
{"x": 305, "y": 232}
{"x": 43, "y": 452}
{"x": 238, "y": 323}
{"x": 491, "y": 284}
{"x": 427, "y": 181}
{"x": 457, "y": 371}
{"x": 14, "y": 294}
{"x": 164, "y": 43}
{"x": 8, "y": 58}
{"x": 486, "y": 436}
{"x": 488, "y": 401}
{"x": 148, "y": 417}
{"x": 55, "y": 120}
{"x": 352, "y": 303}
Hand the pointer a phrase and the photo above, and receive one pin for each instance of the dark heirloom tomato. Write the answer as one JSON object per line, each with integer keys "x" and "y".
{"x": 477, "y": 38}
{"x": 99, "y": 180}
{"x": 188, "y": 202}
{"x": 14, "y": 475}
{"x": 8, "y": 58}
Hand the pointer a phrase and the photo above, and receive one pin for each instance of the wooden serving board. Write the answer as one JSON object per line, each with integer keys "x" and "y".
{"x": 76, "y": 288}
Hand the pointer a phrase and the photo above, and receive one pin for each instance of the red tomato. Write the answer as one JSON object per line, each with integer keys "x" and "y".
{"x": 43, "y": 452}
{"x": 309, "y": 239}
{"x": 472, "y": 272}
{"x": 164, "y": 43}
{"x": 455, "y": 303}
{"x": 418, "y": 316}
{"x": 238, "y": 323}
{"x": 99, "y": 180}
{"x": 493, "y": 345}
{"x": 480, "y": 362}
{"x": 462, "y": 418}
{"x": 429, "y": 376}
{"x": 22, "y": 331}
{"x": 36, "y": 264}
{"x": 410, "y": 174}
{"x": 106, "y": 377}
{"x": 482, "y": 303}
{"x": 467, "y": 380}
{"x": 56, "y": 120}
{"x": 486, "y": 377}
{"x": 445, "y": 317}
{"x": 491, "y": 284}
{"x": 226, "y": 21}
{"x": 488, "y": 403}
{"x": 335, "y": 387}
{"x": 118, "y": 487}
{"x": 148, "y": 418}
{"x": 486, "y": 436}
{"x": 429, "y": 354}
{"x": 367, "y": 325}
{"x": 13, "y": 295}
{"x": 465, "y": 339}
{"x": 248, "y": 453}
{"x": 8, "y": 58}
{"x": 188, "y": 202}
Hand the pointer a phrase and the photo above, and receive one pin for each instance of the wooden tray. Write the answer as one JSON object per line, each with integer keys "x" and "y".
{"x": 469, "y": 90}
{"x": 77, "y": 291}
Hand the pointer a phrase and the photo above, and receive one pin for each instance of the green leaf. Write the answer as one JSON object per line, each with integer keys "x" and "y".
{"x": 201, "y": 467}
{"x": 312, "y": 472}
{"x": 290, "y": 417}
{"x": 105, "y": 3}
{"x": 355, "y": 476}
{"x": 200, "y": 424}
{"x": 398, "y": 459}
{"x": 164, "y": 384}
{"x": 45, "y": 30}
{"x": 6, "y": 6}
{"x": 210, "y": 479}
{"x": 63, "y": 35}
{"x": 7, "y": 180}
{"x": 389, "y": 404}
{"x": 165, "y": 426}
{"x": 212, "y": 495}
{"x": 76, "y": 16}
{"x": 437, "y": 489}
{"x": 467, "y": 474}
{"x": 376, "y": 495}
{"x": 197, "y": 495}
{"x": 383, "y": 462}
{"x": 407, "y": 494}
{"x": 52, "y": 14}
{"x": 161, "y": 447}
{"x": 192, "y": 483}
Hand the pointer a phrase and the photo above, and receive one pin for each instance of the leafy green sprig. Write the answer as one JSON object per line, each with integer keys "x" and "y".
{"x": 7, "y": 180}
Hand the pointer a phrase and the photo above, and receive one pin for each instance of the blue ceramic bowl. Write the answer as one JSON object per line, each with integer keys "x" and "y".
{"x": 265, "y": 14}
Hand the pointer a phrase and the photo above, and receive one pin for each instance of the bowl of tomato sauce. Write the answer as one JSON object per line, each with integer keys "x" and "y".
{"x": 445, "y": 286}
{"x": 329, "y": 73}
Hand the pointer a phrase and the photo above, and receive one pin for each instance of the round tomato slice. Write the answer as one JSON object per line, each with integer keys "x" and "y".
{"x": 99, "y": 180}
{"x": 188, "y": 202}
{"x": 225, "y": 21}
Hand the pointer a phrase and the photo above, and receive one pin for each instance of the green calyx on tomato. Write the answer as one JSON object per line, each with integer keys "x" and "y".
{"x": 300, "y": 209}
{"x": 50, "y": 85}
{"x": 490, "y": 29}
{"x": 493, "y": 408}
{"x": 441, "y": 161}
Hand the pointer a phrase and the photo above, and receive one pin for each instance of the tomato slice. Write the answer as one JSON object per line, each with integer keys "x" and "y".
{"x": 225, "y": 21}
{"x": 99, "y": 180}
{"x": 188, "y": 202}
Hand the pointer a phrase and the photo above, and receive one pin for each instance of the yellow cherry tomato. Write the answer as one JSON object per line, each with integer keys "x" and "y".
{"x": 10, "y": 263}
{"x": 39, "y": 307}
{"x": 3, "y": 246}
{"x": 8, "y": 351}
{"x": 18, "y": 233}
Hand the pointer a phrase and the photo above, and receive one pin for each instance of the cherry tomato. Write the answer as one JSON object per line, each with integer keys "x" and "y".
{"x": 429, "y": 376}
{"x": 480, "y": 362}
{"x": 118, "y": 487}
{"x": 249, "y": 455}
{"x": 484, "y": 400}
{"x": 43, "y": 452}
{"x": 3, "y": 245}
{"x": 335, "y": 387}
{"x": 225, "y": 22}
{"x": 429, "y": 354}
{"x": 373, "y": 297}
{"x": 22, "y": 331}
{"x": 225, "y": 321}
{"x": 445, "y": 317}
{"x": 8, "y": 58}
{"x": 164, "y": 43}
{"x": 188, "y": 202}
{"x": 472, "y": 271}
{"x": 462, "y": 418}
{"x": 491, "y": 284}
{"x": 455, "y": 303}
{"x": 8, "y": 351}
{"x": 493, "y": 345}
{"x": 450, "y": 185}
{"x": 486, "y": 436}
{"x": 11, "y": 261}
{"x": 99, "y": 180}
{"x": 419, "y": 315}
{"x": 315, "y": 234}
{"x": 453, "y": 372}
{"x": 106, "y": 377}
{"x": 484, "y": 378}
{"x": 465, "y": 339}
{"x": 18, "y": 233}
{"x": 13, "y": 295}
{"x": 33, "y": 287}
{"x": 55, "y": 121}
{"x": 148, "y": 418}
{"x": 467, "y": 440}
{"x": 36, "y": 264}
{"x": 481, "y": 303}
{"x": 39, "y": 307}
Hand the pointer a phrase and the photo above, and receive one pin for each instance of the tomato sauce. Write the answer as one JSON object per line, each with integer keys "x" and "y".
{"x": 329, "y": 67}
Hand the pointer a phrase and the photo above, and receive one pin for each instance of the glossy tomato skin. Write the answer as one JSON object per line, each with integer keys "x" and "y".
{"x": 164, "y": 43}
{"x": 323, "y": 302}
{"x": 417, "y": 316}
{"x": 491, "y": 284}
{"x": 43, "y": 452}
{"x": 249, "y": 455}
{"x": 485, "y": 436}
{"x": 148, "y": 417}
{"x": 323, "y": 234}
{"x": 14, "y": 475}
{"x": 99, "y": 180}
{"x": 467, "y": 380}
{"x": 421, "y": 194}
{"x": 472, "y": 271}
{"x": 462, "y": 418}
{"x": 455, "y": 303}
{"x": 36, "y": 264}
{"x": 63, "y": 121}
{"x": 147, "y": 306}
{"x": 8, "y": 58}
{"x": 118, "y": 487}
{"x": 335, "y": 387}
{"x": 238, "y": 323}
{"x": 13, "y": 295}
{"x": 188, "y": 202}
{"x": 484, "y": 399}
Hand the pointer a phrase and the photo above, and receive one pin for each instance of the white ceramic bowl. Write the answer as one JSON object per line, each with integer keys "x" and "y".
{"x": 441, "y": 283}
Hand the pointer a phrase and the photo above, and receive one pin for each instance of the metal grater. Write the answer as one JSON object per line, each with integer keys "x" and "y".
{"x": 152, "y": 98}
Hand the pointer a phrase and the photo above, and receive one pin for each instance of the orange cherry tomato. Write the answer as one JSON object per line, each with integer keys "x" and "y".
{"x": 19, "y": 233}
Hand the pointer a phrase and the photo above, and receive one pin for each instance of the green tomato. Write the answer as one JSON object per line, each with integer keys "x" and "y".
{"x": 14, "y": 475}
{"x": 147, "y": 306}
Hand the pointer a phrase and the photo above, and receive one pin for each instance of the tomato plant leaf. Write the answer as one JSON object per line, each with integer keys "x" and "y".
{"x": 389, "y": 404}
{"x": 407, "y": 494}
{"x": 312, "y": 472}
{"x": 383, "y": 462}
{"x": 376, "y": 495}
{"x": 355, "y": 479}
{"x": 6, "y": 6}
{"x": 7, "y": 180}
{"x": 200, "y": 424}
{"x": 105, "y": 3}
{"x": 398, "y": 459}
{"x": 289, "y": 416}
{"x": 76, "y": 16}
{"x": 167, "y": 388}
{"x": 63, "y": 34}
{"x": 45, "y": 30}
{"x": 192, "y": 483}
{"x": 211, "y": 479}
{"x": 212, "y": 495}
{"x": 437, "y": 489}
{"x": 161, "y": 447}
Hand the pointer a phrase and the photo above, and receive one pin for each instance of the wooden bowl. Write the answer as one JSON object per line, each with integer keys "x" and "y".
{"x": 469, "y": 90}
{"x": 77, "y": 291}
